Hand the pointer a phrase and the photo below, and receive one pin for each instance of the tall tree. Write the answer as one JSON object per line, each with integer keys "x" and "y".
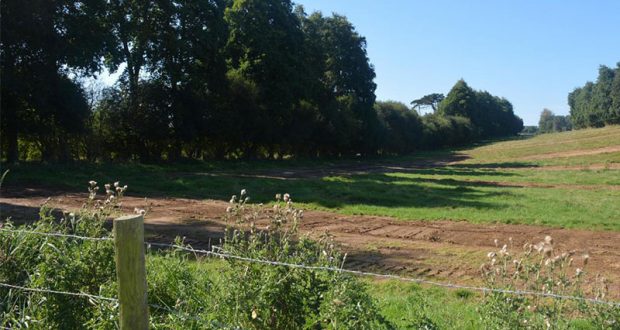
{"x": 615, "y": 97}
{"x": 545, "y": 124}
{"x": 460, "y": 101}
{"x": 42, "y": 43}
{"x": 265, "y": 48}
{"x": 349, "y": 76}
{"x": 597, "y": 104}
{"x": 601, "y": 97}
{"x": 430, "y": 100}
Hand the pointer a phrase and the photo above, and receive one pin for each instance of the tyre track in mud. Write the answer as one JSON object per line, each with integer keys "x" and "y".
{"x": 441, "y": 250}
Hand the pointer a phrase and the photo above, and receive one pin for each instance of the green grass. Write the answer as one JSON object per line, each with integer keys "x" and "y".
{"x": 517, "y": 150}
{"x": 403, "y": 302}
{"x": 400, "y": 302}
{"x": 464, "y": 191}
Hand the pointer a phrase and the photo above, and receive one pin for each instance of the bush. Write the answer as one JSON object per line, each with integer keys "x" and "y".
{"x": 541, "y": 268}
{"x": 183, "y": 293}
{"x": 263, "y": 296}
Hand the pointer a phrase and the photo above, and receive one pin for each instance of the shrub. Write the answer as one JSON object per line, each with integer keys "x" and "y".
{"x": 278, "y": 297}
{"x": 543, "y": 268}
{"x": 183, "y": 293}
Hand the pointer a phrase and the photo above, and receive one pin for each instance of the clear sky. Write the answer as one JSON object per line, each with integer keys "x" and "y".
{"x": 533, "y": 52}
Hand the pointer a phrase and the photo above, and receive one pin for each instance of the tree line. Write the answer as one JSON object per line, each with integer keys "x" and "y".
{"x": 205, "y": 79}
{"x": 550, "y": 122}
{"x": 597, "y": 104}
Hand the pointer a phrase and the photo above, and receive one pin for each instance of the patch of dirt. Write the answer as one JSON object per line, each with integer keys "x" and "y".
{"x": 443, "y": 250}
{"x": 573, "y": 153}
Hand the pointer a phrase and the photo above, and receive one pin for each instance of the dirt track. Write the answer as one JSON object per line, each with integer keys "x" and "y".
{"x": 444, "y": 250}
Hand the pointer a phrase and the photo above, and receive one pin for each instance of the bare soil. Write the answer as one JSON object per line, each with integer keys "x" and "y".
{"x": 442, "y": 250}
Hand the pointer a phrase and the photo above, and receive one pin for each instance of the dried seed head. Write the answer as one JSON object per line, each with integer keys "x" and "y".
{"x": 496, "y": 242}
{"x": 539, "y": 246}
{"x": 547, "y": 250}
{"x": 586, "y": 257}
{"x": 548, "y": 239}
{"x": 243, "y": 192}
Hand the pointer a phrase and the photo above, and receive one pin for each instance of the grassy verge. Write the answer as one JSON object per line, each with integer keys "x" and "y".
{"x": 493, "y": 185}
{"x": 425, "y": 194}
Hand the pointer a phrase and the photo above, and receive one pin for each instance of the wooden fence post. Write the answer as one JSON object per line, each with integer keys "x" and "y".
{"x": 131, "y": 272}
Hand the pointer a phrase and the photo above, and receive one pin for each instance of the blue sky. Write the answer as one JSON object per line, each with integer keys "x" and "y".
{"x": 533, "y": 52}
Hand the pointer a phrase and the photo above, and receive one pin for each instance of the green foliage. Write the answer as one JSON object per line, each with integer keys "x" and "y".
{"x": 430, "y": 100}
{"x": 541, "y": 268}
{"x": 40, "y": 102}
{"x": 549, "y": 122}
{"x": 597, "y": 104}
{"x": 401, "y": 128}
{"x": 277, "y": 297}
{"x": 443, "y": 131}
{"x": 182, "y": 295}
{"x": 490, "y": 116}
{"x": 207, "y": 79}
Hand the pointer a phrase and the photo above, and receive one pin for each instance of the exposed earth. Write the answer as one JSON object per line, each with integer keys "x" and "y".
{"x": 442, "y": 250}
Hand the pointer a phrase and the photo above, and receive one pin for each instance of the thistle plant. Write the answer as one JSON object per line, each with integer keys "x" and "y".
{"x": 540, "y": 267}
{"x": 279, "y": 297}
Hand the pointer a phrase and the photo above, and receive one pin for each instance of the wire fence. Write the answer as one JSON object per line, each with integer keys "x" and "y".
{"x": 94, "y": 297}
{"x": 224, "y": 255}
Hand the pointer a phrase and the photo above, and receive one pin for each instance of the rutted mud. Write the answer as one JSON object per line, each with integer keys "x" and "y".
{"x": 442, "y": 250}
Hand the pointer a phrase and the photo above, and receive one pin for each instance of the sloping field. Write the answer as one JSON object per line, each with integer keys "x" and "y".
{"x": 581, "y": 147}
{"x": 430, "y": 216}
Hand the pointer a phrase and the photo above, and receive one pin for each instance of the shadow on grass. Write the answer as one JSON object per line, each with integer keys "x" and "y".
{"x": 371, "y": 189}
{"x": 20, "y": 214}
{"x": 497, "y": 165}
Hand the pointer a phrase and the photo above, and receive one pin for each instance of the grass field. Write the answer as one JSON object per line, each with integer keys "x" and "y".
{"x": 569, "y": 180}
{"x": 493, "y": 183}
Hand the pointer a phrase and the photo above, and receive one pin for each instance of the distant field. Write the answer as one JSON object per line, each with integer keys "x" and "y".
{"x": 500, "y": 182}
{"x": 527, "y": 151}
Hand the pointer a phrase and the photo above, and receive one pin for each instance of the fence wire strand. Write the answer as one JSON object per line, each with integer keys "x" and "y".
{"x": 77, "y": 294}
{"x": 80, "y": 294}
{"x": 388, "y": 276}
{"x": 324, "y": 268}
{"x": 57, "y": 235}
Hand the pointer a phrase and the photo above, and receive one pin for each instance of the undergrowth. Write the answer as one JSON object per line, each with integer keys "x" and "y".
{"x": 191, "y": 291}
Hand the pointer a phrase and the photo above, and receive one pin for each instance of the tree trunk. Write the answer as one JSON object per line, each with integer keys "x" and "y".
{"x": 12, "y": 147}
{"x": 11, "y": 131}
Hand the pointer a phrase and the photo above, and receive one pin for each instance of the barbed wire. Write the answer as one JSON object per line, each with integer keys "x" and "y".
{"x": 81, "y": 294}
{"x": 334, "y": 269}
{"x": 57, "y": 235}
{"x": 388, "y": 276}
{"x": 77, "y": 294}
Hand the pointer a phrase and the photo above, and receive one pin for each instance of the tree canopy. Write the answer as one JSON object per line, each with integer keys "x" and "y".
{"x": 430, "y": 100}
{"x": 597, "y": 104}
{"x": 212, "y": 79}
